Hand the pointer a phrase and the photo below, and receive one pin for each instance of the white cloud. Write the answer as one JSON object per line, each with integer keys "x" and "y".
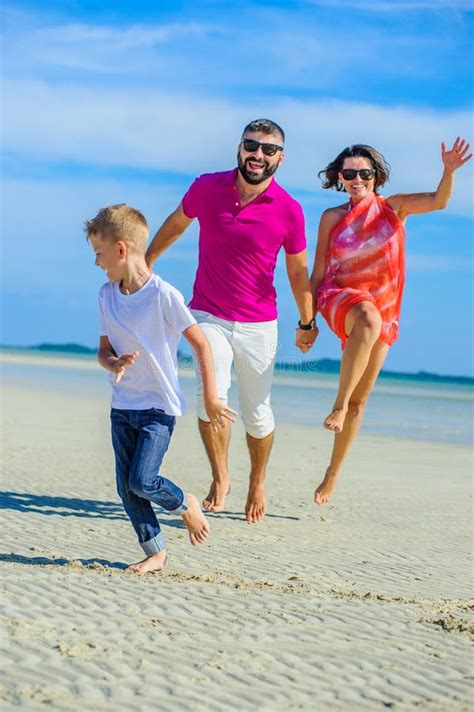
{"x": 183, "y": 133}
{"x": 438, "y": 263}
{"x": 297, "y": 50}
{"x": 96, "y": 48}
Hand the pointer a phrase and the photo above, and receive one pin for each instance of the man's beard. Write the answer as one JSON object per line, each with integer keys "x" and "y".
{"x": 255, "y": 178}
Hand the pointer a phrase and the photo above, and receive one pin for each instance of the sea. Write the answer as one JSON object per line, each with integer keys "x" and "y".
{"x": 434, "y": 411}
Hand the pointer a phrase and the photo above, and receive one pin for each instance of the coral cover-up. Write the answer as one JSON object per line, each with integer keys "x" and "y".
{"x": 365, "y": 261}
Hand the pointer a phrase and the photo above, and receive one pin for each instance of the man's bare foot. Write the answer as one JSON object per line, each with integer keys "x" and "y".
{"x": 215, "y": 500}
{"x": 335, "y": 420}
{"x": 323, "y": 493}
{"x": 155, "y": 562}
{"x": 196, "y": 522}
{"x": 256, "y": 506}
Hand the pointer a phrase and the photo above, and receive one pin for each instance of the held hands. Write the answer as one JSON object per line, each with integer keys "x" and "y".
{"x": 456, "y": 157}
{"x": 218, "y": 412}
{"x": 119, "y": 365}
{"x": 306, "y": 338}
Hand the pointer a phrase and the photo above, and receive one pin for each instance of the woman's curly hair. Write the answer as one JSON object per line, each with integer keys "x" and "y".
{"x": 332, "y": 170}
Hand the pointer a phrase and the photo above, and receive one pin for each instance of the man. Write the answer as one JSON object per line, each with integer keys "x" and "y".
{"x": 245, "y": 218}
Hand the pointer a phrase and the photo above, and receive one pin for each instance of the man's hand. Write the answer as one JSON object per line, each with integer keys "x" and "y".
{"x": 121, "y": 363}
{"x": 218, "y": 412}
{"x": 305, "y": 338}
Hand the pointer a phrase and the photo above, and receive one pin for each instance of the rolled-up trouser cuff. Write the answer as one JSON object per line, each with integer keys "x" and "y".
{"x": 153, "y": 546}
{"x": 259, "y": 433}
{"x": 182, "y": 507}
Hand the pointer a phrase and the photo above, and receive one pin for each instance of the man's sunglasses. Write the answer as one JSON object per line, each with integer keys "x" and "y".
{"x": 269, "y": 149}
{"x": 364, "y": 173}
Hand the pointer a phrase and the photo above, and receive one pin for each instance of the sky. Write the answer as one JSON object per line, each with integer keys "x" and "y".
{"x": 109, "y": 102}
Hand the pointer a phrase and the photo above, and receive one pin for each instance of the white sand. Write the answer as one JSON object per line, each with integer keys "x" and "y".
{"x": 361, "y": 605}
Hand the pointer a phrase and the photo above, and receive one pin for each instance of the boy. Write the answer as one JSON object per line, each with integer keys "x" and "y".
{"x": 141, "y": 320}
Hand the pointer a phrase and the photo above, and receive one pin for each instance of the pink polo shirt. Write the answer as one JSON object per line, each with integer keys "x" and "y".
{"x": 238, "y": 247}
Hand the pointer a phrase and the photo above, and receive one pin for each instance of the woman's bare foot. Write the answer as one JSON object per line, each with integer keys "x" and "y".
{"x": 155, "y": 562}
{"x": 256, "y": 507}
{"x": 335, "y": 420}
{"x": 196, "y": 522}
{"x": 215, "y": 500}
{"x": 323, "y": 493}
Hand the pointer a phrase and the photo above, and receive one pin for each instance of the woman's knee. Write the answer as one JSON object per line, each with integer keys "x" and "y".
{"x": 367, "y": 319}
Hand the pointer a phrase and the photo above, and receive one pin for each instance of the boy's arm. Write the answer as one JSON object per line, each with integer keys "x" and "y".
{"x": 215, "y": 408}
{"x": 109, "y": 360}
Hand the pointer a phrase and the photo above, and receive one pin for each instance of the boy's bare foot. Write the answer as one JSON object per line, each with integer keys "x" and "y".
{"x": 256, "y": 507}
{"x": 215, "y": 500}
{"x": 335, "y": 420}
{"x": 323, "y": 493}
{"x": 155, "y": 562}
{"x": 196, "y": 522}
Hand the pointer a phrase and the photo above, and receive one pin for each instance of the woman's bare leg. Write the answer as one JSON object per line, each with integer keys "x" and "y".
{"x": 352, "y": 421}
{"x": 363, "y": 324}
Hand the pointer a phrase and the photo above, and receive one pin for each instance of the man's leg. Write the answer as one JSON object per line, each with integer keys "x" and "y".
{"x": 216, "y": 443}
{"x": 259, "y": 449}
{"x": 217, "y": 448}
{"x": 254, "y": 351}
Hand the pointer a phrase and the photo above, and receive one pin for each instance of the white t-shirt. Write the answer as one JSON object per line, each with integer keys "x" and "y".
{"x": 151, "y": 322}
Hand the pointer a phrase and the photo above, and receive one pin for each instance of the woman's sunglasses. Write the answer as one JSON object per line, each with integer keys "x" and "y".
{"x": 364, "y": 173}
{"x": 269, "y": 149}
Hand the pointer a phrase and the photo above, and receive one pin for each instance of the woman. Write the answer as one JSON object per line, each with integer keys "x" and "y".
{"x": 358, "y": 278}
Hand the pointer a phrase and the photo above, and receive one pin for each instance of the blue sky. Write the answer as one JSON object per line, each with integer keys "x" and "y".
{"x": 118, "y": 102}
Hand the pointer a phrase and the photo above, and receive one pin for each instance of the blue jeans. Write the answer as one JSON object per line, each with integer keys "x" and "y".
{"x": 140, "y": 439}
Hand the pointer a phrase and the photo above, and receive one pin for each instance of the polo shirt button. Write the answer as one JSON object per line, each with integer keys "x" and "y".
{"x": 236, "y": 205}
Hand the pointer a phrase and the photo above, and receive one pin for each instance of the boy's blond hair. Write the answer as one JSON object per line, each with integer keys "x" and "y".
{"x": 120, "y": 222}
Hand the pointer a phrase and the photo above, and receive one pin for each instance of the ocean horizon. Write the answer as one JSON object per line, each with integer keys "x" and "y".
{"x": 320, "y": 366}
{"x": 439, "y": 410}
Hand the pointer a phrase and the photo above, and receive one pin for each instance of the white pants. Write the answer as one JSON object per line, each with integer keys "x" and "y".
{"x": 252, "y": 347}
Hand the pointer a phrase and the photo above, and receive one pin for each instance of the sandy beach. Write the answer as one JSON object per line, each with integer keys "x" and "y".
{"x": 364, "y": 604}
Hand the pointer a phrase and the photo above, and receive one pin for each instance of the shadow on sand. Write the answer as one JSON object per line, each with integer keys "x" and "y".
{"x": 73, "y": 507}
{"x": 93, "y": 508}
{"x": 45, "y": 561}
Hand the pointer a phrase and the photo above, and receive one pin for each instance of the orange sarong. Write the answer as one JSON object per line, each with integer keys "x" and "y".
{"x": 365, "y": 261}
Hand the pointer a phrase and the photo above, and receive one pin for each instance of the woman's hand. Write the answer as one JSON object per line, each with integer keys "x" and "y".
{"x": 457, "y": 156}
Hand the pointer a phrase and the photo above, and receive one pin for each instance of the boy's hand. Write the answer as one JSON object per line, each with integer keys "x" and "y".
{"x": 121, "y": 363}
{"x": 218, "y": 412}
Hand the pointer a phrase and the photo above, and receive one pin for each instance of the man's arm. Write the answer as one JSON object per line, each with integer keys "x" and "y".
{"x": 172, "y": 228}
{"x": 297, "y": 269}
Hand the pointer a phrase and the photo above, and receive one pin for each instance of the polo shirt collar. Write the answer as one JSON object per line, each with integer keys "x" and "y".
{"x": 271, "y": 192}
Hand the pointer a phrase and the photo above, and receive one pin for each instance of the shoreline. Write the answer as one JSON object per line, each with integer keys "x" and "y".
{"x": 295, "y": 367}
{"x": 414, "y": 412}
{"x": 320, "y": 380}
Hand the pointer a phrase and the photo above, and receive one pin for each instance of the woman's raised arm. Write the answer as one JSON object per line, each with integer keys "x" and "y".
{"x": 405, "y": 204}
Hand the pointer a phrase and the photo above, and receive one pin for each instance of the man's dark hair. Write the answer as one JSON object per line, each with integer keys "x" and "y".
{"x": 265, "y": 126}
